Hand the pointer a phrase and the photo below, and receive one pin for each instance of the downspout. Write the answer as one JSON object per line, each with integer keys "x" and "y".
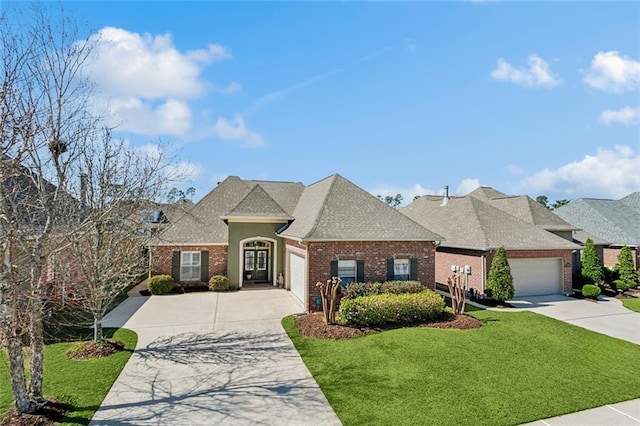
{"x": 483, "y": 263}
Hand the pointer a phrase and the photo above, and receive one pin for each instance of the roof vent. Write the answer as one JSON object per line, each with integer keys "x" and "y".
{"x": 445, "y": 199}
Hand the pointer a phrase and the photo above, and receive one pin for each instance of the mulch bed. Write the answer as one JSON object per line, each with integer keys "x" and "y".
{"x": 50, "y": 414}
{"x": 91, "y": 350}
{"x": 313, "y": 325}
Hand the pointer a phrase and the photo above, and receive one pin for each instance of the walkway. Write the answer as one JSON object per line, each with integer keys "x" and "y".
{"x": 213, "y": 358}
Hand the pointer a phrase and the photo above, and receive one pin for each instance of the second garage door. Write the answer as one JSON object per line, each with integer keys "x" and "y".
{"x": 297, "y": 274}
{"x": 536, "y": 277}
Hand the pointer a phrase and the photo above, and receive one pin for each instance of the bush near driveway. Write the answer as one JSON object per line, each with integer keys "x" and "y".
{"x": 517, "y": 368}
{"x": 160, "y": 284}
{"x": 388, "y": 309}
{"x": 591, "y": 291}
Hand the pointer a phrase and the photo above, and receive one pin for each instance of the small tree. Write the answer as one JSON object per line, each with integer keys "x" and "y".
{"x": 328, "y": 294}
{"x": 625, "y": 266}
{"x": 456, "y": 290}
{"x": 542, "y": 199}
{"x": 592, "y": 271}
{"x": 500, "y": 281}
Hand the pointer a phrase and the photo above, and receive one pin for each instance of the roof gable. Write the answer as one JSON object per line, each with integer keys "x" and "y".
{"x": 485, "y": 193}
{"x": 525, "y": 208}
{"x": 257, "y": 203}
{"x": 335, "y": 209}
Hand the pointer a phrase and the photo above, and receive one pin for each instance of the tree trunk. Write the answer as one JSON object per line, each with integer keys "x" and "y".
{"x": 36, "y": 337}
{"x": 97, "y": 328}
{"x": 18, "y": 383}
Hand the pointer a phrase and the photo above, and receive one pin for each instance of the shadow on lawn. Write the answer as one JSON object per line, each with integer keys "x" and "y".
{"x": 234, "y": 377}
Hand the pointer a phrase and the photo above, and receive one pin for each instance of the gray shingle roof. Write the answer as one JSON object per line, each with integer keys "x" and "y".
{"x": 529, "y": 210}
{"x": 258, "y": 203}
{"x": 486, "y": 193}
{"x": 615, "y": 221}
{"x": 632, "y": 200}
{"x": 335, "y": 209}
{"x": 286, "y": 194}
{"x": 469, "y": 222}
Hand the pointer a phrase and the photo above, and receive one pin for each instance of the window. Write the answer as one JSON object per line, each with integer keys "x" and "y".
{"x": 249, "y": 260}
{"x": 190, "y": 266}
{"x": 262, "y": 260}
{"x": 401, "y": 269}
{"x": 347, "y": 271}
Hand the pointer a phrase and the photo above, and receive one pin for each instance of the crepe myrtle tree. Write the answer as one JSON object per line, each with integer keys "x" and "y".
{"x": 44, "y": 119}
{"x": 106, "y": 250}
{"x": 500, "y": 281}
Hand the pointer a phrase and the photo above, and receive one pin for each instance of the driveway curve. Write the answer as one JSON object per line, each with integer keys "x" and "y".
{"x": 212, "y": 358}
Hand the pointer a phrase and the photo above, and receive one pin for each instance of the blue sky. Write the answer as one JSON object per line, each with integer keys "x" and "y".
{"x": 528, "y": 97}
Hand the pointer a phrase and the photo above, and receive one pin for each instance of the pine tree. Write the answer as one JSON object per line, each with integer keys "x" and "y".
{"x": 625, "y": 266}
{"x": 500, "y": 281}
{"x": 592, "y": 272}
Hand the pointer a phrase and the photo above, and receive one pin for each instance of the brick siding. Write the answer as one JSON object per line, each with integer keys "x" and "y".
{"x": 160, "y": 258}
{"x": 610, "y": 257}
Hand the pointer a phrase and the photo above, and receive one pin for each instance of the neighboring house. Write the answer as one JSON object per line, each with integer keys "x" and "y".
{"x": 157, "y": 216}
{"x": 271, "y": 232}
{"x": 614, "y": 221}
{"x": 476, "y": 225}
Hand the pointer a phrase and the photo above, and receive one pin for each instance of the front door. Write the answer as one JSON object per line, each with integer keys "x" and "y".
{"x": 256, "y": 265}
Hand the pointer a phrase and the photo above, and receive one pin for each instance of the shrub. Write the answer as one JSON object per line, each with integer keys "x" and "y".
{"x": 392, "y": 309}
{"x": 219, "y": 283}
{"x": 592, "y": 272}
{"x": 500, "y": 282}
{"x": 625, "y": 265}
{"x": 160, "y": 284}
{"x": 401, "y": 287}
{"x": 591, "y": 291}
{"x": 622, "y": 285}
{"x": 611, "y": 275}
{"x": 353, "y": 290}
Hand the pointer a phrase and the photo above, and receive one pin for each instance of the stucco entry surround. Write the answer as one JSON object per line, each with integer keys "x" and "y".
{"x": 274, "y": 257}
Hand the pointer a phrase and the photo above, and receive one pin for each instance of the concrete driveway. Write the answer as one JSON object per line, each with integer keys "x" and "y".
{"x": 213, "y": 358}
{"x": 607, "y": 316}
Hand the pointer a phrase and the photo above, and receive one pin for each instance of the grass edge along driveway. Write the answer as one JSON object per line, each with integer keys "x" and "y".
{"x": 83, "y": 384}
{"x": 517, "y": 368}
{"x": 631, "y": 304}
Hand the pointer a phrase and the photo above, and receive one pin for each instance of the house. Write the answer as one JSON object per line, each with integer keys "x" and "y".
{"x": 264, "y": 232}
{"x": 476, "y": 225}
{"x": 614, "y": 221}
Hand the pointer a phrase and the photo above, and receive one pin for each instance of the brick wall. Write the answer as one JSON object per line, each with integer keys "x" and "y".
{"x": 610, "y": 257}
{"x": 373, "y": 253}
{"x": 445, "y": 257}
{"x": 160, "y": 258}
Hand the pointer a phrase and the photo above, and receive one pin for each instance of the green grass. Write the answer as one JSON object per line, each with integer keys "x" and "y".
{"x": 633, "y": 304}
{"x": 82, "y": 384}
{"x": 517, "y": 368}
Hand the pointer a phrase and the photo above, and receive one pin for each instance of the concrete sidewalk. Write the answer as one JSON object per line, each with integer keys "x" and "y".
{"x": 621, "y": 414}
{"x": 213, "y": 358}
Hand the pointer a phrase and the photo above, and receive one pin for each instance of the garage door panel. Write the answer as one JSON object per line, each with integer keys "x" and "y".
{"x": 297, "y": 274}
{"x": 536, "y": 277}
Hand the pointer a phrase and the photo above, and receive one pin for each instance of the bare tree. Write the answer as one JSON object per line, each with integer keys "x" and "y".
{"x": 43, "y": 120}
{"x": 107, "y": 245}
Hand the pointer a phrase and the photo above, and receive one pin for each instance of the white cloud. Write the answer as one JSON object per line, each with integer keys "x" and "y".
{"x": 612, "y": 72}
{"x": 611, "y": 173}
{"x": 133, "y": 64}
{"x": 183, "y": 171}
{"x": 172, "y": 117}
{"x": 626, "y": 115}
{"x": 236, "y": 130}
{"x": 537, "y": 75}
{"x": 466, "y": 186}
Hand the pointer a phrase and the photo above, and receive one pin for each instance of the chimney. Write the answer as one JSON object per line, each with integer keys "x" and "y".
{"x": 84, "y": 179}
{"x": 445, "y": 199}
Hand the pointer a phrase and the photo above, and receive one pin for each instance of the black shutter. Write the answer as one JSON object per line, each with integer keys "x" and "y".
{"x": 175, "y": 265}
{"x": 390, "y": 270}
{"x": 334, "y": 268}
{"x": 413, "y": 267}
{"x": 204, "y": 266}
{"x": 359, "y": 271}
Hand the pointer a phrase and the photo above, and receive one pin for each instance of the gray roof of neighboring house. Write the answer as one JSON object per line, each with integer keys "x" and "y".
{"x": 632, "y": 200}
{"x": 581, "y": 237}
{"x": 258, "y": 203}
{"x": 525, "y": 208}
{"x": 616, "y": 221}
{"x": 471, "y": 223}
{"x": 334, "y": 209}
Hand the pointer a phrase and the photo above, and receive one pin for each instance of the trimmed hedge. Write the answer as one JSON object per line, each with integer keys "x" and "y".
{"x": 353, "y": 290}
{"x": 160, "y": 284}
{"x": 392, "y": 309}
{"x": 219, "y": 283}
{"x": 623, "y": 285}
{"x": 591, "y": 291}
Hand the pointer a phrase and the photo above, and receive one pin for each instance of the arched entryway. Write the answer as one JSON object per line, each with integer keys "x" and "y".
{"x": 257, "y": 260}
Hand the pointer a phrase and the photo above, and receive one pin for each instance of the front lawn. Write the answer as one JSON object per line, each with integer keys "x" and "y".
{"x": 633, "y": 304}
{"x": 517, "y": 368}
{"x": 82, "y": 384}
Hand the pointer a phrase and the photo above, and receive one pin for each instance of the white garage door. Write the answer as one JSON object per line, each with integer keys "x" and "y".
{"x": 297, "y": 274}
{"x": 536, "y": 277}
